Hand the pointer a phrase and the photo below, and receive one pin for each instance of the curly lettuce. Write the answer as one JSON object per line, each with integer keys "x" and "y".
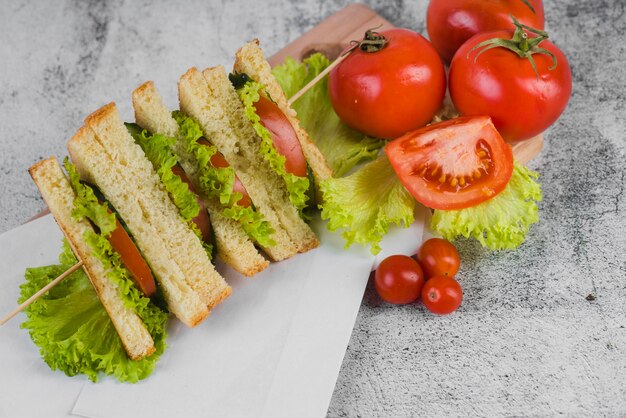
{"x": 297, "y": 186}
{"x": 342, "y": 146}
{"x": 366, "y": 203}
{"x": 218, "y": 182}
{"x": 69, "y": 324}
{"x": 501, "y": 222}
{"x": 73, "y": 330}
{"x": 86, "y": 204}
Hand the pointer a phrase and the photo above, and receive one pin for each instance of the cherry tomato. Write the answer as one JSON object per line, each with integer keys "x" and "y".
{"x": 132, "y": 260}
{"x": 284, "y": 137}
{"x": 498, "y": 83}
{"x": 442, "y": 295}
{"x": 452, "y": 22}
{"x": 391, "y": 91}
{"x": 438, "y": 257}
{"x": 219, "y": 161}
{"x": 202, "y": 221}
{"x": 399, "y": 279}
{"x": 453, "y": 164}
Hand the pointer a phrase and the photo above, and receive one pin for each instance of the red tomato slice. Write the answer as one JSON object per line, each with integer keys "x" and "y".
{"x": 453, "y": 164}
{"x": 133, "y": 260}
{"x": 202, "y": 221}
{"x": 219, "y": 161}
{"x": 284, "y": 136}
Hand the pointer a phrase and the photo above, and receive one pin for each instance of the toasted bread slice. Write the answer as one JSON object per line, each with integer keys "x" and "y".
{"x": 234, "y": 246}
{"x": 59, "y": 196}
{"x": 250, "y": 59}
{"x": 106, "y": 155}
{"x": 213, "y": 102}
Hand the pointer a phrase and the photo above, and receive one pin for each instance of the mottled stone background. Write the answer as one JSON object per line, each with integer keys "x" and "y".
{"x": 527, "y": 341}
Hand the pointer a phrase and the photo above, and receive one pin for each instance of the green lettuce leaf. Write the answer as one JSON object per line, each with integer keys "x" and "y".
{"x": 342, "y": 146}
{"x": 71, "y": 327}
{"x": 297, "y": 187}
{"x": 365, "y": 203}
{"x": 499, "y": 223}
{"x": 86, "y": 204}
{"x": 219, "y": 182}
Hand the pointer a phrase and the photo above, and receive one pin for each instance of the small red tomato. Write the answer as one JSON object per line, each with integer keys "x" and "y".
{"x": 399, "y": 279}
{"x": 389, "y": 90}
{"x": 438, "y": 257}
{"x": 442, "y": 295}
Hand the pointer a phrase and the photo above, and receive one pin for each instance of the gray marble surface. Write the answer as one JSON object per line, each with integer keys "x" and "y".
{"x": 527, "y": 341}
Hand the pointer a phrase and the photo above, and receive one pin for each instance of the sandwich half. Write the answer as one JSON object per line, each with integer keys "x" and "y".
{"x": 110, "y": 281}
{"x": 210, "y": 99}
{"x": 250, "y": 60}
{"x": 106, "y": 155}
{"x": 234, "y": 246}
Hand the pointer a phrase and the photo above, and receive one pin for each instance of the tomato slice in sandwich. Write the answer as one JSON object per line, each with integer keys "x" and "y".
{"x": 219, "y": 161}
{"x": 202, "y": 221}
{"x": 454, "y": 164}
{"x": 132, "y": 260}
{"x": 284, "y": 137}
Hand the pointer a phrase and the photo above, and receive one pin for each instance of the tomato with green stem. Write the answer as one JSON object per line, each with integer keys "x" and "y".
{"x": 392, "y": 83}
{"x": 520, "y": 79}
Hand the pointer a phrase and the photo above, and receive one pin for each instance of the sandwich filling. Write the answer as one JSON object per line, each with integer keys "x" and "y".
{"x": 158, "y": 149}
{"x": 280, "y": 146}
{"x": 217, "y": 179}
{"x": 69, "y": 323}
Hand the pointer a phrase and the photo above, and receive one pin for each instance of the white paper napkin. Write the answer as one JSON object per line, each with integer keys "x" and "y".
{"x": 28, "y": 388}
{"x": 273, "y": 349}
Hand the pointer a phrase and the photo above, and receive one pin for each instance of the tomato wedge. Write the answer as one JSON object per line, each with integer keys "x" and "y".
{"x": 454, "y": 164}
{"x": 132, "y": 260}
{"x": 219, "y": 161}
{"x": 202, "y": 221}
{"x": 284, "y": 136}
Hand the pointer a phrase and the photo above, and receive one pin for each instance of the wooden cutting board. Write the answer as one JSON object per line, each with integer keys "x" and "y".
{"x": 335, "y": 32}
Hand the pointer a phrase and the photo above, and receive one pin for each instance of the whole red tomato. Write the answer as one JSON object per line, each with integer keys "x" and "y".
{"x": 522, "y": 103}
{"x": 399, "y": 279}
{"x": 442, "y": 295}
{"x": 438, "y": 257}
{"x": 391, "y": 91}
{"x": 452, "y": 22}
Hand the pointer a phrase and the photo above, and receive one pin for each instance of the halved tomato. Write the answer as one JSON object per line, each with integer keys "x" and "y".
{"x": 284, "y": 136}
{"x": 132, "y": 260}
{"x": 453, "y": 164}
{"x": 219, "y": 161}
{"x": 202, "y": 221}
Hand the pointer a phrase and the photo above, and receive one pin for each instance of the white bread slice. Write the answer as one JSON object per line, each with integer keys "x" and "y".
{"x": 213, "y": 102}
{"x": 105, "y": 154}
{"x": 250, "y": 59}
{"x": 261, "y": 175}
{"x": 234, "y": 246}
{"x": 59, "y": 196}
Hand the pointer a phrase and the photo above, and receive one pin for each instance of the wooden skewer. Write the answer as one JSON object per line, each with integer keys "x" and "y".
{"x": 41, "y": 292}
{"x": 321, "y": 75}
